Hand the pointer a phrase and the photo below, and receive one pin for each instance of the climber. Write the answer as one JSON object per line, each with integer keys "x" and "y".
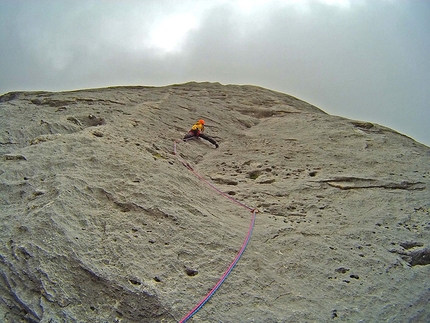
{"x": 197, "y": 132}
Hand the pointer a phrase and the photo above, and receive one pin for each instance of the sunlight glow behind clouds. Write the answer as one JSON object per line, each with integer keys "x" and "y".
{"x": 168, "y": 34}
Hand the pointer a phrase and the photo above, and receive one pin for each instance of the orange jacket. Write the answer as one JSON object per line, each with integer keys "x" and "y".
{"x": 198, "y": 126}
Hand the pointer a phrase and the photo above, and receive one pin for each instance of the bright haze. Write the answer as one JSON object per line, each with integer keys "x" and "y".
{"x": 365, "y": 60}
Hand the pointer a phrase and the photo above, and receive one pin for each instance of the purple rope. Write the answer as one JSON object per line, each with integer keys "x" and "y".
{"x": 223, "y": 278}
{"x": 239, "y": 254}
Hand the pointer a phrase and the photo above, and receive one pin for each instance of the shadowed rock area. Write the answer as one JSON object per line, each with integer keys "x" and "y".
{"x": 100, "y": 222}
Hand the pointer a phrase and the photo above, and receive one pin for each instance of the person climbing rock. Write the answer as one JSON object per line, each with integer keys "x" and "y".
{"x": 197, "y": 132}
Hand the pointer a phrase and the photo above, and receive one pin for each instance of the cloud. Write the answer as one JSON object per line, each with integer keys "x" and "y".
{"x": 359, "y": 59}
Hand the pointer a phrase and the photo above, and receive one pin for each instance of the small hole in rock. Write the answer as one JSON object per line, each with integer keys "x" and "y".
{"x": 191, "y": 272}
{"x": 135, "y": 282}
{"x": 254, "y": 174}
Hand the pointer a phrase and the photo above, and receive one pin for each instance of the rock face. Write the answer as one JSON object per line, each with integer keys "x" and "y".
{"x": 100, "y": 222}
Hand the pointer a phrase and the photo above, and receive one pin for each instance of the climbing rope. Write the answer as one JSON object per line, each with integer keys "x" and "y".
{"x": 239, "y": 254}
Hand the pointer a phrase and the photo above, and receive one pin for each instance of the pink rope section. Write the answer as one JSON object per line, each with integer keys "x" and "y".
{"x": 224, "y": 276}
{"x": 239, "y": 254}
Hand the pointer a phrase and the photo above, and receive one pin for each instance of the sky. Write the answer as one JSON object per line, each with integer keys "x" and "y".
{"x": 366, "y": 60}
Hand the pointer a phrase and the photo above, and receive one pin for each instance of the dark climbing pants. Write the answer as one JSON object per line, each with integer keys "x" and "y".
{"x": 201, "y": 135}
{"x": 213, "y": 142}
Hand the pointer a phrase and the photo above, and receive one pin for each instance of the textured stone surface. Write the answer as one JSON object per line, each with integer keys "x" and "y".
{"x": 100, "y": 222}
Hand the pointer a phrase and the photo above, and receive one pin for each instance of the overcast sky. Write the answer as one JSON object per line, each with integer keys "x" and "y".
{"x": 361, "y": 59}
